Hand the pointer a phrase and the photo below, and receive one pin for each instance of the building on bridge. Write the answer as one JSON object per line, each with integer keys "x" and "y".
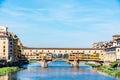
{"x": 69, "y": 54}
{"x": 31, "y": 53}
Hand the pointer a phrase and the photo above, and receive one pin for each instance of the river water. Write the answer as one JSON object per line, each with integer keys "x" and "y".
{"x": 58, "y": 70}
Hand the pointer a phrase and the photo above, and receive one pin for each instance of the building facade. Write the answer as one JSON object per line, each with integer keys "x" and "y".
{"x": 71, "y": 53}
{"x": 108, "y": 44}
{"x": 12, "y": 50}
{"x": 112, "y": 54}
{"x": 10, "y": 46}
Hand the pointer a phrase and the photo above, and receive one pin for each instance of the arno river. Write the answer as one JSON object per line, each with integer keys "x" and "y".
{"x": 58, "y": 70}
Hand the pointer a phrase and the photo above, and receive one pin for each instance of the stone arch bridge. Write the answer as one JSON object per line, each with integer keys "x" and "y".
{"x": 73, "y": 56}
{"x": 75, "y": 63}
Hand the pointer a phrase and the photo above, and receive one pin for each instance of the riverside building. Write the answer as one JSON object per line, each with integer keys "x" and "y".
{"x": 10, "y": 46}
{"x": 12, "y": 50}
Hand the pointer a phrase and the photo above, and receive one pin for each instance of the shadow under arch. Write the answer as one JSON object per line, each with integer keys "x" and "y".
{"x": 59, "y": 63}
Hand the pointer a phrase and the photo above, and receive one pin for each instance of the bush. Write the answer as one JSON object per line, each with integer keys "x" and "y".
{"x": 114, "y": 64}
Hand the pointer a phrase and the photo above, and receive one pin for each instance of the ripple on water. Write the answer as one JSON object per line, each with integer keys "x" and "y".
{"x": 34, "y": 72}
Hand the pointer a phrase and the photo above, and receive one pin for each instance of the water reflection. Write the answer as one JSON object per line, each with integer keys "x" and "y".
{"x": 34, "y": 72}
{"x": 59, "y": 64}
{"x": 32, "y": 65}
{"x": 58, "y": 74}
{"x": 5, "y": 77}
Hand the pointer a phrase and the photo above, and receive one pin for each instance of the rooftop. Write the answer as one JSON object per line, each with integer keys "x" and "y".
{"x": 117, "y": 35}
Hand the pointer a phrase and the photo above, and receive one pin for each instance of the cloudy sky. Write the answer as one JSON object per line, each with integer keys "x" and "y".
{"x": 61, "y": 23}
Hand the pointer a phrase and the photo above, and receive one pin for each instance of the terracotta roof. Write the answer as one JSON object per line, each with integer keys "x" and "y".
{"x": 65, "y": 48}
{"x": 114, "y": 47}
{"x": 118, "y": 35}
{"x": 3, "y": 36}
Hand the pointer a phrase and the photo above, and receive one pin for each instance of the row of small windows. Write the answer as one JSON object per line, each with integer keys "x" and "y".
{"x": 66, "y": 51}
{"x": 2, "y": 38}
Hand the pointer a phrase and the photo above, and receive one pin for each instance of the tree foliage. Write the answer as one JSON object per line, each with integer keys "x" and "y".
{"x": 114, "y": 64}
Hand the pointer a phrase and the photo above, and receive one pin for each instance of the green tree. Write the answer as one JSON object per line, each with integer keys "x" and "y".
{"x": 114, "y": 64}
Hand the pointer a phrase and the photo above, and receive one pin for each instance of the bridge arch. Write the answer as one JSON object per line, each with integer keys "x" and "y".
{"x": 57, "y": 59}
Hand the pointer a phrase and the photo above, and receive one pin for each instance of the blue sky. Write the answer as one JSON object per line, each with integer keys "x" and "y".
{"x": 61, "y": 23}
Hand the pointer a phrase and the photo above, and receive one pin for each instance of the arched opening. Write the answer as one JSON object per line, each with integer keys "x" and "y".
{"x": 83, "y": 65}
{"x": 59, "y": 64}
{"x": 32, "y": 65}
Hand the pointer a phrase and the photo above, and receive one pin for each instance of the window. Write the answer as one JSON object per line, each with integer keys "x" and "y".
{"x": 4, "y": 42}
{"x": 9, "y": 57}
{"x": 3, "y": 50}
{"x": 3, "y": 46}
{"x": 36, "y": 50}
{"x": 10, "y": 50}
{"x": 30, "y": 50}
{"x": 118, "y": 50}
{"x": 10, "y": 43}
{"x": 89, "y": 51}
{"x": 10, "y": 46}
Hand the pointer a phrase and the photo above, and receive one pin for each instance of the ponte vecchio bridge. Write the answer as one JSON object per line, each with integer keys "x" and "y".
{"x": 73, "y": 56}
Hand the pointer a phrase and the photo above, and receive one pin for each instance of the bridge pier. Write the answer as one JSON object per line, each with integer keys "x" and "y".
{"x": 43, "y": 64}
{"x": 75, "y": 64}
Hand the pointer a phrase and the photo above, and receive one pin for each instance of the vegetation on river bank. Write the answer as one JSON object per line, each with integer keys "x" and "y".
{"x": 32, "y": 61}
{"x": 111, "y": 69}
{"x": 6, "y": 70}
{"x": 93, "y": 65}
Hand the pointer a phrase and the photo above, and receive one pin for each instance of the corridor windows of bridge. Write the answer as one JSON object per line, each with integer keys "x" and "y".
{"x": 30, "y": 50}
{"x": 83, "y": 52}
{"x": 54, "y": 55}
{"x": 118, "y": 50}
{"x": 41, "y": 55}
{"x": 36, "y": 50}
{"x": 60, "y": 55}
{"x": 82, "y": 56}
{"x": 48, "y": 56}
{"x": 66, "y": 55}
{"x": 59, "y": 51}
{"x": 89, "y": 52}
{"x": 72, "y": 56}
{"x": 87, "y": 56}
{"x": 94, "y": 56}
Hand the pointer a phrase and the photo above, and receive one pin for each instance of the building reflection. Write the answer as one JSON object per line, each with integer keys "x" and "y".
{"x": 4, "y": 77}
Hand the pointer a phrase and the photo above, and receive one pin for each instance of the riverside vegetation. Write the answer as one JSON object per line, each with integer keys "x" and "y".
{"x": 111, "y": 69}
{"x": 6, "y": 70}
